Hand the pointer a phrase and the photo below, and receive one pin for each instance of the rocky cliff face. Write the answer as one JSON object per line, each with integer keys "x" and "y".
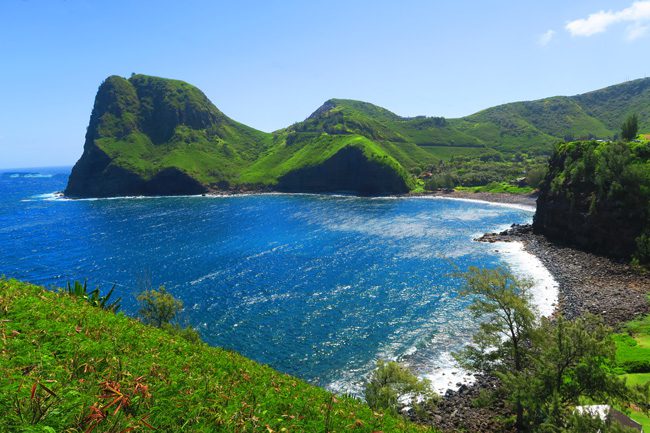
{"x": 595, "y": 197}
{"x": 349, "y": 170}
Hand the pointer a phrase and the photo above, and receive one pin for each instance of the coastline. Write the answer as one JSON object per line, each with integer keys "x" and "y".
{"x": 527, "y": 200}
{"x": 586, "y": 284}
{"x": 589, "y": 283}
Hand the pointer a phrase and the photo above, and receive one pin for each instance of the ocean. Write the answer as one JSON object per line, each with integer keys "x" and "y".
{"x": 317, "y": 286}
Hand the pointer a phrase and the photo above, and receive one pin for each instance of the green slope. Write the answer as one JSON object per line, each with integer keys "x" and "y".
{"x": 60, "y": 357}
{"x": 149, "y": 135}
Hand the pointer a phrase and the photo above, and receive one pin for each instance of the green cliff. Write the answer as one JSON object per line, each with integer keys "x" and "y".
{"x": 596, "y": 195}
{"x": 155, "y": 136}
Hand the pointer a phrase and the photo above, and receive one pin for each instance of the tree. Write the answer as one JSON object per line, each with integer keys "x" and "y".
{"x": 536, "y": 175}
{"x": 158, "y": 307}
{"x": 502, "y": 303}
{"x": 546, "y": 367}
{"x": 630, "y": 127}
{"x": 570, "y": 361}
{"x": 391, "y": 382}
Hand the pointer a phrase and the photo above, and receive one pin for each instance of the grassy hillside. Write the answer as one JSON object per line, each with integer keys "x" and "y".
{"x": 68, "y": 366}
{"x": 150, "y": 135}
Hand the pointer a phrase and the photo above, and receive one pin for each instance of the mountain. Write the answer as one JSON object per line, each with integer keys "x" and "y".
{"x": 150, "y": 135}
{"x": 153, "y": 136}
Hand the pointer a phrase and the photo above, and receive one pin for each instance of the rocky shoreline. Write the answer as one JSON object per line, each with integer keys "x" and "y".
{"x": 588, "y": 283}
{"x": 492, "y": 197}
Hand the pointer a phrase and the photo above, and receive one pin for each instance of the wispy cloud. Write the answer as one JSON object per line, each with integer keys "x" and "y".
{"x": 635, "y": 31}
{"x": 546, "y": 37}
{"x": 636, "y": 15}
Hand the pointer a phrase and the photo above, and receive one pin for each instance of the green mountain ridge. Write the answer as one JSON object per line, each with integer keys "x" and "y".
{"x": 156, "y": 136}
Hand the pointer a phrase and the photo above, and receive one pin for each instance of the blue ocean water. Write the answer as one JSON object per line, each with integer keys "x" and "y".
{"x": 318, "y": 286}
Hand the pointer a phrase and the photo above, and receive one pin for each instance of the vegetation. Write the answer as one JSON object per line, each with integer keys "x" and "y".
{"x": 491, "y": 171}
{"x": 68, "y": 366}
{"x": 143, "y": 127}
{"x": 94, "y": 297}
{"x": 630, "y": 127}
{"x": 597, "y": 194}
{"x": 392, "y": 385}
{"x": 633, "y": 359}
{"x": 158, "y": 307}
{"x": 546, "y": 367}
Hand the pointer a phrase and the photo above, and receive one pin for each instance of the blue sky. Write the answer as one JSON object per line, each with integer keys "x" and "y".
{"x": 270, "y": 63}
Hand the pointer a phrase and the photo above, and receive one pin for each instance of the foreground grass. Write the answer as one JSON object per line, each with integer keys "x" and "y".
{"x": 68, "y": 366}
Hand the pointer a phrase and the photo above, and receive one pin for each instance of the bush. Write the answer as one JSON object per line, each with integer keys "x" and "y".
{"x": 158, "y": 307}
{"x": 391, "y": 384}
{"x": 93, "y": 297}
{"x": 188, "y": 333}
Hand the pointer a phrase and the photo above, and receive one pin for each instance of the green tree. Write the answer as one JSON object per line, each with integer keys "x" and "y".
{"x": 535, "y": 175}
{"x": 158, "y": 307}
{"x": 570, "y": 361}
{"x": 503, "y": 341}
{"x": 390, "y": 383}
{"x": 546, "y": 367}
{"x": 630, "y": 127}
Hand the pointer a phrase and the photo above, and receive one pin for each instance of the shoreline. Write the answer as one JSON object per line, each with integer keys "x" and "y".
{"x": 515, "y": 200}
{"x": 527, "y": 200}
{"x": 586, "y": 284}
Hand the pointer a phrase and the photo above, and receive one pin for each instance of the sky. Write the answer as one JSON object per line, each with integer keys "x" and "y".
{"x": 271, "y": 63}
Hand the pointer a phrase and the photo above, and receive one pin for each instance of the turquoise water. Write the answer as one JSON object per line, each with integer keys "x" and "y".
{"x": 317, "y": 286}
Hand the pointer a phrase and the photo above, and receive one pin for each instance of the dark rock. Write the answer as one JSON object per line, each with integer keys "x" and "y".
{"x": 349, "y": 170}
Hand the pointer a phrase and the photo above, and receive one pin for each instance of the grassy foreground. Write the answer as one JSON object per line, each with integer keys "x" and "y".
{"x": 68, "y": 366}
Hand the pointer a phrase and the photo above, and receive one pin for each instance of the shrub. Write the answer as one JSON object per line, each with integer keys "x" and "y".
{"x": 391, "y": 384}
{"x": 93, "y": 297}
{"x": 158, "y": 307}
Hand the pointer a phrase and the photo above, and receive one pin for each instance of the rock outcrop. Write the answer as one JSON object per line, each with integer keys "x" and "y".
{"x": 349, "y": 170}
{"x": 596, "y": 197}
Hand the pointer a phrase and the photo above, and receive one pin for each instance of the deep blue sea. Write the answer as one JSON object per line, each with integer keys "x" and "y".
{"x": 318, "y": 286}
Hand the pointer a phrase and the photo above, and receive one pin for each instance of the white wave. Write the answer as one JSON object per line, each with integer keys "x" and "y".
{"x": 545, "y": 288}
{"x": 491, "y": 203}
{"x": 474, "y": 214}
{"x": 400, "y": 227}
{"x": 447, "y": 375}
{"x": 37, "y": 175}
{"x": 29, "y": 175}
{"x": 48, "y": 196}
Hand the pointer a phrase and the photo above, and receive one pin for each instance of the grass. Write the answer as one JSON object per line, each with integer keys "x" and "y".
{"x": 498, "y": 187}
{"x": 68, "y": 366}
{"x": 633, "y": 347}
{"x": 633, "y": 357}
{"x": 445, "y": 153}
